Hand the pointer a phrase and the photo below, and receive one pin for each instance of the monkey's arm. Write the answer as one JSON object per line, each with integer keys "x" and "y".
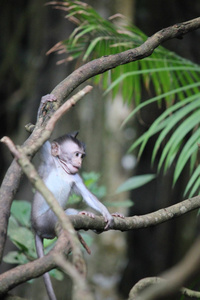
{"x": 45, "y": 152}
{"x": 92, "y": 201}
{"x": 46, "y": 159}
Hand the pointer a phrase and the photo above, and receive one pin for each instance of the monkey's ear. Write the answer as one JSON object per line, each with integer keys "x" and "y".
{"x": 55, "y": 149}
{"x": 74, "y": 134}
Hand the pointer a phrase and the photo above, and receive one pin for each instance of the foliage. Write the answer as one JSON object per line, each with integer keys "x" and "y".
{"x": 174, "y": 80}
{"x": 21, "y": 235}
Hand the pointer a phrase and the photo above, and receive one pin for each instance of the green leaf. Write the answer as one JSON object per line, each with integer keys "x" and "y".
{"x": 177, "y": 136}
{"x": 161, "y": 122}
{"x": 21, "y": 210}
{"x": 179, "y": 115}
{"x": 73, "y": 199}
{"x": 83, "y": 32}
{"x": 14, "y": 257}
{"x": 195, "y": 176}
{"x": 157, "y": 98}
{"x": 47, "y": 243}
{"x": 189, "y": 148}
{"x": 186, "y": 126}
{"x": 57, "y": 274}
{"x": 135, "y": 182}
{"x": 91, "y": 181}
{"x": 22, "y": 237}
{"x": 195, "y": 188}
{"x": 92, "y": 46}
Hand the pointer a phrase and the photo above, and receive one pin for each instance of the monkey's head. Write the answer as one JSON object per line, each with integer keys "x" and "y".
{"x": 70, "y": 152}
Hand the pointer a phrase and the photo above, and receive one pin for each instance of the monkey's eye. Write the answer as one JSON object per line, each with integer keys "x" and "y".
{"x": 78, "y": 154}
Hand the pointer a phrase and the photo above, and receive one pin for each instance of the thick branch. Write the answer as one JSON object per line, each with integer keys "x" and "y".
{"x": 136, "y": 222}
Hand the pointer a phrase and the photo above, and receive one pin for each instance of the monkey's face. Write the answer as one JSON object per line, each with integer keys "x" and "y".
{"x": 71, "y": 156}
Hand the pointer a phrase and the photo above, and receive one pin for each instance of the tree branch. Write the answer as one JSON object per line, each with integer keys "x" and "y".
{"x": 137, "y": 222}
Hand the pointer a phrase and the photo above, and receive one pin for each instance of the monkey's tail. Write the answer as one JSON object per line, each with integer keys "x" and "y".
{"x": 46, "y": 277}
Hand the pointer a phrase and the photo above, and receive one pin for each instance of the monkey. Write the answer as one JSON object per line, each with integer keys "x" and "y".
{"x": 61, "y": 161}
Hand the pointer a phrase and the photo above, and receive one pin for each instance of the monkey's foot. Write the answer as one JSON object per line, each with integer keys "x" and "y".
{"x": 87, "y": 213}
{"x": 45, "y": 99}
{"x": 118, "y": 215}
{"x": 48, "y": 98}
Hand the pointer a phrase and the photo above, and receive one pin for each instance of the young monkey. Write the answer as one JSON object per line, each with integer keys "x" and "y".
{"x": 60, "y": 163}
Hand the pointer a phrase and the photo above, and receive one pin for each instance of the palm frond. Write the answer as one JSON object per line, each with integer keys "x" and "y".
{"x": 95, "y": 37}
{"x": 171, "y": 78}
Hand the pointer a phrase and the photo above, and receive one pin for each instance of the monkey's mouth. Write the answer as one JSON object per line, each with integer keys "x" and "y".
{"x": 76, "y": 167}
{"x": 69, "y": 167}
